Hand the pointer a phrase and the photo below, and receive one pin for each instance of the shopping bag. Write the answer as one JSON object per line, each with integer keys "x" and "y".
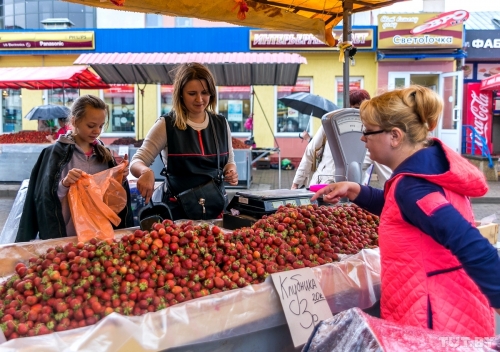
{"x": 94, "y": 202}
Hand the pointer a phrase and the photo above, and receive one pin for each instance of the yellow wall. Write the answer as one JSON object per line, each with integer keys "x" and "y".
{"x": 323, "y": 68}
{"x": 147, "y": 108}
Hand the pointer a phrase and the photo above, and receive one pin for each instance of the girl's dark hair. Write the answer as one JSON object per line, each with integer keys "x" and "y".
{"x": 183, "y": 74}
{"x": 78, "y": 111}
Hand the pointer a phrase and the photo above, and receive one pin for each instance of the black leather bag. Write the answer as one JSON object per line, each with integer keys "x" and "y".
{"x": 203, "y": 202}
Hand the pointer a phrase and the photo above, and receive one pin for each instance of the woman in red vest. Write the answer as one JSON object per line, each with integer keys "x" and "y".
{"x": 438, "y": 271}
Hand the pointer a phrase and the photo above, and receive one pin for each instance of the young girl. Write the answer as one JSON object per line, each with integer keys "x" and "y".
{"x": 46, "y": 211}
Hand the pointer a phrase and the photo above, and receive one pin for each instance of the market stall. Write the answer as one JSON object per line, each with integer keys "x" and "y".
{"x": 250, "y": 315}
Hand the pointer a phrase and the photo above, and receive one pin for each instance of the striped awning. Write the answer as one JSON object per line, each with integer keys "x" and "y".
{"x": 229, "y": 69}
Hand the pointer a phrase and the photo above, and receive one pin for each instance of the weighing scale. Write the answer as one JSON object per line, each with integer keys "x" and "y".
{"x": 343, "y": 129}
{"x": 247, "y": 207}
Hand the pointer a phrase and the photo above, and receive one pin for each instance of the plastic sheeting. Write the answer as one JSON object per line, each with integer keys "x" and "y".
{"x": 354, "y": 281}
{"x": 353, "y": 331}
{"x": 9, "y": 231}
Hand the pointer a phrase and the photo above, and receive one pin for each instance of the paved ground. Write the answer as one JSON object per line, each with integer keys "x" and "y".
{"x": 268, "y": 179}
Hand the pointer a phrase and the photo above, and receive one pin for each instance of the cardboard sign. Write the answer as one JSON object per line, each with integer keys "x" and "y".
{"x": 303, "y": 302}
{"x": 122, "y": 150}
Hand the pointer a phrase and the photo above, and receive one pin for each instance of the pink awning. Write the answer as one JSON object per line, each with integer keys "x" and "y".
{"x": 229, "y": 69}
{"x": 49, "y": 78}
{"x": 491, "y": 83}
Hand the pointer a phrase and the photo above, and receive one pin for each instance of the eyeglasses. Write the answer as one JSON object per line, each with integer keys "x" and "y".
{"x": 367, "y": 133}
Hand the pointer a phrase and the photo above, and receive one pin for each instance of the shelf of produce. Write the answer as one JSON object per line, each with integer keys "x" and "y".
{"x": 239, "y": 317}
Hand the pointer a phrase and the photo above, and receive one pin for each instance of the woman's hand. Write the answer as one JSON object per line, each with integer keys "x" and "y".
{"x": 72, "y": 176}
{"x": 333, "y": 192}
{"x": 146, "y": 184}
{"x": 231, "y": 176}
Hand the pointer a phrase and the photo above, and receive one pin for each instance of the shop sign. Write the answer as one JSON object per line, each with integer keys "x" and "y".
{"x": 482, "y": 44}
{"x": 47, "y": 40}
{"x": 422, "y": 30}
{"x": 278, "y": 40}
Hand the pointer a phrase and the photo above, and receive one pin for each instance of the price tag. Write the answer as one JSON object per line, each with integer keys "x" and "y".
{"x": 122, "y": 150}
{"x": 303, "y": 302}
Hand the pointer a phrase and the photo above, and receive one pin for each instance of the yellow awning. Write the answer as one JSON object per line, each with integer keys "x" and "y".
{"x": 316, "y": 17}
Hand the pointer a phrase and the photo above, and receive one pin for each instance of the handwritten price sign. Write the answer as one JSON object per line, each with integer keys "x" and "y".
{"x": 303, "y": 302}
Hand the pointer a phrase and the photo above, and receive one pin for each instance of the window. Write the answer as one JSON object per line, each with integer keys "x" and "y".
{"x": 166, "y": 99}
{"x": 354, "y": 83}
{"x": 288, "y": 119}
{"x": 11, "y": 110}
{"x": 121, "y": 102}
{"x": 153, "y": 20}
{"x": 235, "y": 105}
{"x": 60, "y": 96}
{"x": 183, "y": 22}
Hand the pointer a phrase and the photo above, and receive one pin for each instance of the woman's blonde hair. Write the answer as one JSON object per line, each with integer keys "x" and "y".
{"x": 415, "y": 110}
{"x": 183, "y": 74}
{"x": 78, "y": 111}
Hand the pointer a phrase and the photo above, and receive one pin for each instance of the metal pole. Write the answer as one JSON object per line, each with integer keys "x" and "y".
{"x": 346, "y": 36}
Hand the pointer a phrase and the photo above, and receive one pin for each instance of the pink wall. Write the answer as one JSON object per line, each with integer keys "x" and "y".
{"x": 384, "y": 67}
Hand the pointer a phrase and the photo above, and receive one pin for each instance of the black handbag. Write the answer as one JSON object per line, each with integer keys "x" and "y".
{"x": 206, "y": 201}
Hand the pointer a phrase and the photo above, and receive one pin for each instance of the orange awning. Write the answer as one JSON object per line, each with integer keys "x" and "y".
{"x": 79, "y": 77}
{"x": 491, "y": 83}
{"x": 316, "y": 17}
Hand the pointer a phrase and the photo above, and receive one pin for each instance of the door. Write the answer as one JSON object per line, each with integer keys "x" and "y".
{"x": 450, "y": 125}
{"x": 398, "y": 80}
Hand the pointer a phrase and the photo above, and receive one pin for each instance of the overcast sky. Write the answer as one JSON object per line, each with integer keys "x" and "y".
{"x": 468, "y": 5}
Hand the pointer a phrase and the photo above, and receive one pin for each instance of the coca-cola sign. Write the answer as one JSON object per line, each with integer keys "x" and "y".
{"x": 478, "y": 115}
{"x": 443, "y": 20}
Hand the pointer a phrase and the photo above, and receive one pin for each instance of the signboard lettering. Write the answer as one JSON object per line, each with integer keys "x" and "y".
{"x": 422, "y": 30}
{"x": 478, "y": 115}
{"x": 276, "y": 40}
{"x": 482, "y": 44}
{"x": 47, "y": 41}
{"x": 303, "y": 301}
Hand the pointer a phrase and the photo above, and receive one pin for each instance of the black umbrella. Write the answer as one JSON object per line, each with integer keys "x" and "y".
{"x": 309, "y": 104}
{"x": 48, "y": 112}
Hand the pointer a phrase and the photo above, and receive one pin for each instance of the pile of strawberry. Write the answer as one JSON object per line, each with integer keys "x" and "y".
{"x": 76, "y": 285}
{"x": 24, "y": 137}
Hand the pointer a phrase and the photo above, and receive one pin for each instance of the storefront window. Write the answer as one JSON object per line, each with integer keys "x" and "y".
{"x": 11, "y": 110}
{"x": 235, "y": 105}
{"x": 62, "y": 96}
{"x": 354, "y": 83}
{"x": 166, "y": 99}
{"x": 121, "y": 102}
{"x": 288, "y": 119}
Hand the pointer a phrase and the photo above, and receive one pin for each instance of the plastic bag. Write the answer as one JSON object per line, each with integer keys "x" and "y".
{"x": 9, "y": 231}
{"x": 94, "y": 202}
{"x": 355, "y": 331}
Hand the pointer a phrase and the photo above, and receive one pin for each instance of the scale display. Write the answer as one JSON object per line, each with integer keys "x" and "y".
{"x": 349, "y": 124}
{"x": 343, "y": 129}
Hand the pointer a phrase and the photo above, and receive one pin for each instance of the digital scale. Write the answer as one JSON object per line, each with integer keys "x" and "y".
{"x": 343, "y": 129}
{"x": 247, "y": 207}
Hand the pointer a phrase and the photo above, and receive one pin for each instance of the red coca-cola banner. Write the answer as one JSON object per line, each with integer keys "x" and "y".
{"x": 477, "y": 113}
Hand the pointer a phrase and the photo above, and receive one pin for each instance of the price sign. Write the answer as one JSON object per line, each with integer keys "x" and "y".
{"x": 303, "y": 302}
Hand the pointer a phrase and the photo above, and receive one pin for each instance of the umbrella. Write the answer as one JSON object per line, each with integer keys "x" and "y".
{"x": 309, "y": 104}
{"x": 48, "y": 112}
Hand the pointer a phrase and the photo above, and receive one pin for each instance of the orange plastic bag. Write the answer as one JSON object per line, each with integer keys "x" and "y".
{"x": 94, "y": 202}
